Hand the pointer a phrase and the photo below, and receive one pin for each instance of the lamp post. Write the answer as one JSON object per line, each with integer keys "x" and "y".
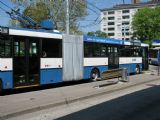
{"x": 67, "y": 17}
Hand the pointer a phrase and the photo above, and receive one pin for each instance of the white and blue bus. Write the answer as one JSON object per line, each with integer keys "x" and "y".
{"x": 153, "y": 52}
{"x": 38, "y": 57}
{"x": 153, "y": 55}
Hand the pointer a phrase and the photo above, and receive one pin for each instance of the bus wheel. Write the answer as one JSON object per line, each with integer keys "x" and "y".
{"x": 0, "y": 87}
{"x": 94, "y": 75}
{"x": 137, "y": 70}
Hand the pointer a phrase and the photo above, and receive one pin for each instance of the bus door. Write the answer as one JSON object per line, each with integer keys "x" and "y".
{"x": 34, "y": 62}
{"x": 113, "y": 57}
{"x": 26, "y": 62}
{"x": 145, "y": 64}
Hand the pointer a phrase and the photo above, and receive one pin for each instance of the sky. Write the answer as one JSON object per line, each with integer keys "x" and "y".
{"x": 90, "y": 23}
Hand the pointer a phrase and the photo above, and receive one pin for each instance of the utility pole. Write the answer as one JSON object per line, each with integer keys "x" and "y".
{"x": 67, "y": 17}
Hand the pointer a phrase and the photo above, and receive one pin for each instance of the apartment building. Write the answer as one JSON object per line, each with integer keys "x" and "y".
{"x": 117, "y": 21}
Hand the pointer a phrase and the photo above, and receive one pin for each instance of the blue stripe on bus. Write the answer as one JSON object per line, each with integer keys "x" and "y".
{"x": 7, "y": 79}
{"x": 48, "y": 76}
{"x": 131, "y": 66}
{"x": 102, "y": 40}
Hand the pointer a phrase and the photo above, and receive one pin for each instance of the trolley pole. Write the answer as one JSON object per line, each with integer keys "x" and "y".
{"x": 67, "y": 17}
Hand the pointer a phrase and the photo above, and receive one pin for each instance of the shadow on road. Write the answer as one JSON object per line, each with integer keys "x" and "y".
{"x": 141, "y": 105}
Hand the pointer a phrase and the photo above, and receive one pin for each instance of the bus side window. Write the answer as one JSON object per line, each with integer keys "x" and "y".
{"x": 51, "y": 48}
{"x": 33, "y": 49}
{"x": 5, "y": 46}
{"x": 19, "y": 48}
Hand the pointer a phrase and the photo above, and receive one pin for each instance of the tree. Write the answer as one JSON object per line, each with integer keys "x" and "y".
{"x": 55, "y": 10}
{"x": 146, "y": 24}
{"x": 98, "y": 34}
{"x": 38, "y": 12}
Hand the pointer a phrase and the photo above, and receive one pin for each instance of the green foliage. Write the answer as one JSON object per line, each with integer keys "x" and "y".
{"x": 98, "y": 34}
{"x": 38, "y": 12}
{"x": 56, "y": 11}
{"x": 146, "y": 24}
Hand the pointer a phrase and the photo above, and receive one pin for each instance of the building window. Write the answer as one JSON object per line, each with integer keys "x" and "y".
{"x": 110, "y": 12}
{"x": 104, "y": 29}
{"x": 110, "y": 18}
{"x": 110, "y": 34}
{"x": 125, "y": 11}
{"x": 127, "y": 29}
{"x": 126, "y": 17}
{"x": 126, "y": 33}
{"x": 125, "y": 23}
{"x": 110, "y": 23}
{"x": 110, "y": 29}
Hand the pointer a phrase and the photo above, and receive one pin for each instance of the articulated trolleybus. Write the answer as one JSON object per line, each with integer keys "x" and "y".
{"x": 37, "y": 57}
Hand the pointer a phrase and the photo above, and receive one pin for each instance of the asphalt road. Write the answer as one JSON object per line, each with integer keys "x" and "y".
{"x": 141, "y": 105}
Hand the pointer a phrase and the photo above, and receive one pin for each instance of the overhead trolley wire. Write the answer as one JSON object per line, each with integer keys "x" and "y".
{"x": 94, "y": 6}
{"x": 15, "y": 14}
{"x": 88, "y": 8}
{"x": 95, "y": 21}
{"x": 3, "y": 9}
{"x": 5, "y": 5}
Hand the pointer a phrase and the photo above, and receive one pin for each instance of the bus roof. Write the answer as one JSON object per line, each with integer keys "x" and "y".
{"x": 35, "y": 33}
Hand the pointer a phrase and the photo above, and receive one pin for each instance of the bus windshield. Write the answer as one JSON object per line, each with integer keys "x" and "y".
{"x": 153, "y": 53}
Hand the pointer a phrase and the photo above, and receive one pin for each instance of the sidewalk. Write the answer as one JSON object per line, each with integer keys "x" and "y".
{"x": 16, "y": 104}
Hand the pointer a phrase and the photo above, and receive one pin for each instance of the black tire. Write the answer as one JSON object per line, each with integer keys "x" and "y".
{"x": 137, "y": 70}
{"x": 94, "y": 74}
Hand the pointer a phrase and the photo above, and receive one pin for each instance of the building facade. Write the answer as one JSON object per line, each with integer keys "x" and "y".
{"x": 117, "y": 21}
